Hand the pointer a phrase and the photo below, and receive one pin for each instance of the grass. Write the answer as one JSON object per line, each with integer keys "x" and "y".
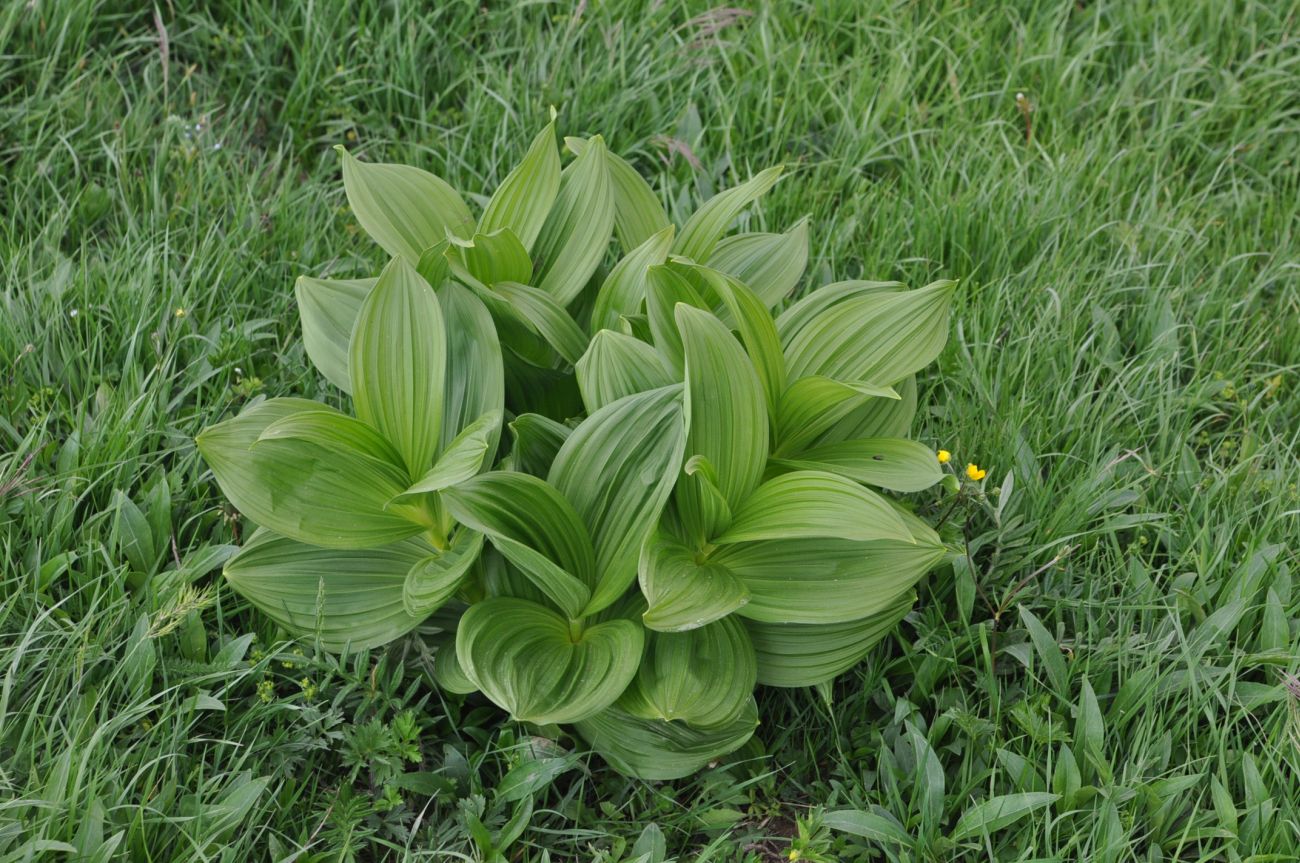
{"x": 1125, "y": 360}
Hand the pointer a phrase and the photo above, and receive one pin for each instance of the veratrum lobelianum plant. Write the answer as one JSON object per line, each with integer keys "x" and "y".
{"x": 689, "y": 502}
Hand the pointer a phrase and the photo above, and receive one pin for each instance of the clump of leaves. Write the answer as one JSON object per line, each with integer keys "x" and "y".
{"x": 695, "y": 494}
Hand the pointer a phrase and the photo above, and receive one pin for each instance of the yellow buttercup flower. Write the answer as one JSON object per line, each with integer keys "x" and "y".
{"x": 944, "y": 456}
{"x": 975, "y": 472}
{"x": 794, "y": 854}
{"x": 181, "y": 312}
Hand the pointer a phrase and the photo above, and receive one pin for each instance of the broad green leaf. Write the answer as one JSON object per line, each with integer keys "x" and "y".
{"x": 561, "y": 588}
{"x": 301, "y": 489}
{"x": 811, "y": 406}
{"x": 491, "y": 258}
{"x": 475, "y": 383}
{"x": 435, "y": 264}
{"x": 638, "y": 213}
{"x": 877, "y": 417}
{"x": 753, "y": 321}
{"x": 547, "y": 316}
{"x": 337, "y": 432}
{"x": 534, "y": 527}
{"x": 524, "y": 508}
{"x": 403, "y": 209}
{"x": 328, "y": 309}
{"x": 682, "y": 592}
{"x": 665, "y": 290}
{"x": 892, "y": 463}
{"x": 551, "y": 392}
{"x": 792, "y": 321}
{"x": 351, "y": 597}
{"x": 576, "y": 233}
{"x": 655, "y": 749}
{"x": 724, "y": 403}
{"x": 525, "y": 196}
{"x": 447, "y": 672}
{"x": 679, "y": 675}
{"x": 435, "y": 579}
{"x": 536, "y": 440}
{"x": 501, "y": 578}
{"x": 617, "y": 469}
{"x": 991, "y": 815}
{"x": 800, "y": 654}
{"x": 623, "y": 292}
{"x": 706, "y": 226}
{"x": 702, "y": 511}
{"x": 828, "y": 580}
{"x": 529, "y": 661}
{"x": 615, "y": 366}
{"x": 882, "y": 336}
{"x": 768, "y": 264}
{"x": 464, "y": 457}
{"x": 398, "y": 362}
{"x": 806, "y": 504}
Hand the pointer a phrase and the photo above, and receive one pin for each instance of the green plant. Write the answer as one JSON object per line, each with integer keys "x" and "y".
{"x": 689, "y": 484}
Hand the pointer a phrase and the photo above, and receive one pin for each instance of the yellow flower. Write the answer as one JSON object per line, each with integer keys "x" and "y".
{"x": 794, "y": 854}
{"x": 944, "y": 456}
{"x": 180, "y": 312}
{"x": 975, "y": 472}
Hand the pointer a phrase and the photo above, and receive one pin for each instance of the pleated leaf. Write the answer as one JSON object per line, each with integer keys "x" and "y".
{"x": 403, "y": 209}
{"x": 527, "y": 193}
{"x": 493, "y": 257}
{"x": 576, "y": 233}
{"x": 328, "y": 310}
{"x": 798, "y": 654}
{"x": 666, "y": 289}
{"x": 398, "y": 362}
{"x": 704, "y": 676}
{"x": 464, "y": 457}
{"x": 892, "y": 463}
{"x": 447, "y": 672}
{"x": 529, "y": 662}
{"x": 324, "y": 495}
{"x": 793, "y": 320}
{"x": 615, "y": 366}
{"x": 810, "y": 406}
{"x": 337, "y": 432}
{"x": 725, "y": 404}
{"x": 623, "y": 292}
{"x": 436, "y": 578}
{"x": 769, "y": 264}
{"x": 474, "y": 384}
{"x": 536, "y": 441}
{"x": 806, "y": 504}
{"x": 702, "y": 512}
{"x": 826, "y": 580}
{"x": 882, "y": 336}
{"x": 706, "y": 226}
{"x": 618, "y": 469}
{"x": 350, "y": 597}
{"x": 638, "y": 213}
{"x": 682, "y": 592}
{"x": 655, "y": 749}
{"x": 742, "y": 308}
{"x": 535, "y": 528}
{"x": 547, "y": 316}
{"x": 877, "y": 417}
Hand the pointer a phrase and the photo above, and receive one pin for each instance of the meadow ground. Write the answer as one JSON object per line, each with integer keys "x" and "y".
{"x": 1124, "y": 360}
